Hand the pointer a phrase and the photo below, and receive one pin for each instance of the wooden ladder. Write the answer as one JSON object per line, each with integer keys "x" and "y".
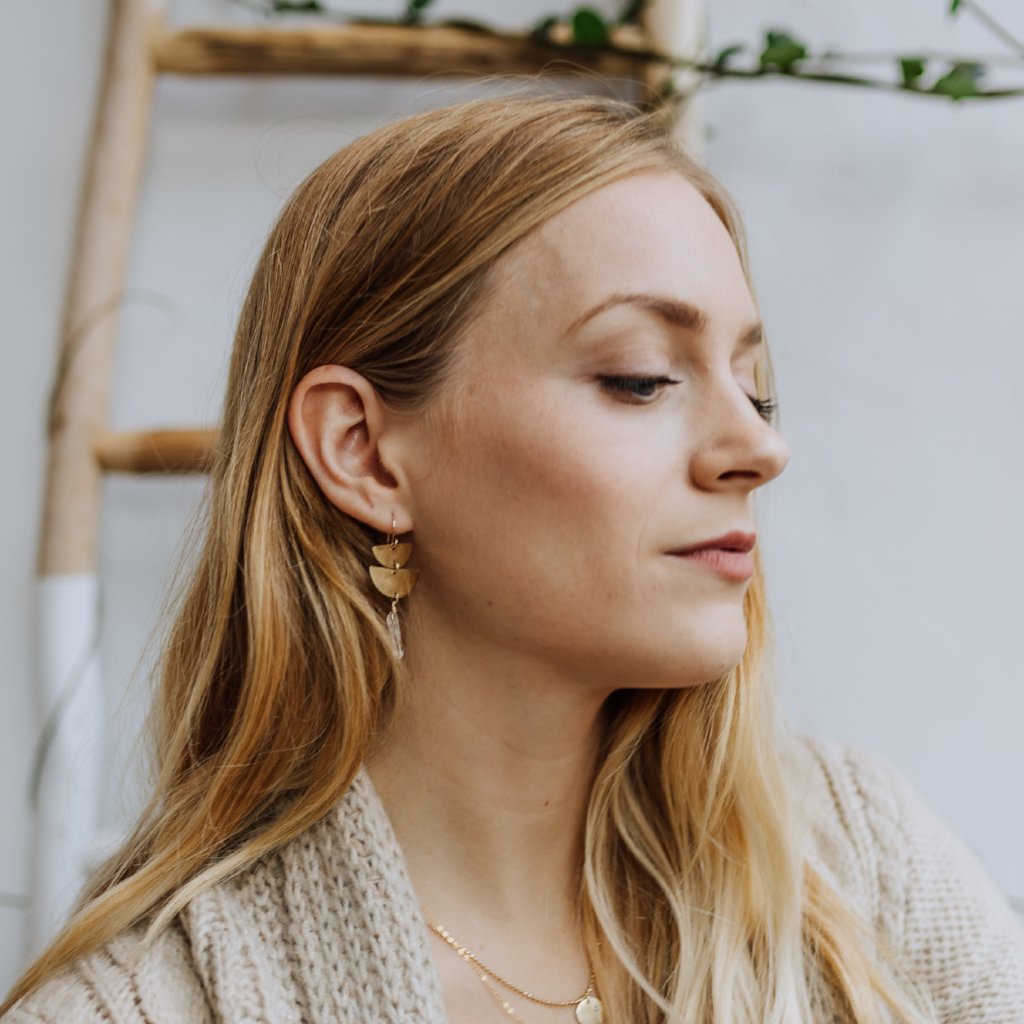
{"x": 82, "y": 448}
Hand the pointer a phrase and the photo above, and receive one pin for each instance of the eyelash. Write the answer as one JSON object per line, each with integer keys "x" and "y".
{"x": 766, "y": 407}
{"x": 638, "y": 388}
{"x": 634, "y": 386}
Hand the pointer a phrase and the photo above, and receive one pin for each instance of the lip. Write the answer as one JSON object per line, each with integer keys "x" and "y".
{"x": 728, "y": 556}
{"x": 735, "y": 541}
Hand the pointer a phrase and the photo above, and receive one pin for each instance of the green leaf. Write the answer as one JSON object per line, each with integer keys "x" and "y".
{"x": 414, "y": 10}
{"x": 589, "y": 28}
{"x": 912, "y": 68}
{"x": 961, "y": 81}
{"x": 298, "y": 7}
{"x": 954, "y": 6}
{"x": 781, "y": 51}
{"x": 723, "y": 55}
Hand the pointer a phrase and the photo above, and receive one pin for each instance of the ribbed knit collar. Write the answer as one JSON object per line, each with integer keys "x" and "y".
{"x": 328, "y": 929}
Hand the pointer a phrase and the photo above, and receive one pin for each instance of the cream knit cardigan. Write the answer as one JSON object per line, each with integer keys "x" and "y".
{"x": 328, "y": 930}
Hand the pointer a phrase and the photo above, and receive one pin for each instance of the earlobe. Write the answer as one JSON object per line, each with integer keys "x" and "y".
{"x": 335, "y": 418}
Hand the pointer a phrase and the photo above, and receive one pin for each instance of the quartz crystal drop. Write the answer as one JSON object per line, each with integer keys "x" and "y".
{"x": 395, "y": 632}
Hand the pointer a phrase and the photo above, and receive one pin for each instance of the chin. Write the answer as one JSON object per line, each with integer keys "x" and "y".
{"x": 674, "y": 668}
{"x": 706, "y": 658}
{"x": 689, "y": 648}
{"x": 723, "y": 666}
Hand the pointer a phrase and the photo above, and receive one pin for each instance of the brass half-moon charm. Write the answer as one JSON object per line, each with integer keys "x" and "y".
{"x": 393, "y": 582}
{"x": 392, "y": 554}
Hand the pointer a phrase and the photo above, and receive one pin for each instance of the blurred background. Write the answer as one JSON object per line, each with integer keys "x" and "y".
{"x": 886, "y": 242}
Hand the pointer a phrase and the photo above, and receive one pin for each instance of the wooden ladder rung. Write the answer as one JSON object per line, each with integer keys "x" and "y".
{"x": 401, "y": 51}
{"x": 155, "y": 451}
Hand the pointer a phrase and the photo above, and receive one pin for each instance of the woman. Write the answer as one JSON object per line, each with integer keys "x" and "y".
{"x": 465, "y": 713}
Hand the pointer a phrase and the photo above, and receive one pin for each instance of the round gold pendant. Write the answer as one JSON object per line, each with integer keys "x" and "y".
{"x": 589, "y": 1010}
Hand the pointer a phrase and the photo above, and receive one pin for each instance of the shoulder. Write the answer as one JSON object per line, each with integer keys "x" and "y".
{"x": 131, "y": 980}
{"x": 853, "y": 800}
{"x": 324, "y": 927}
{"x": 876, "y": 838}
{"x": 223, "y": 958}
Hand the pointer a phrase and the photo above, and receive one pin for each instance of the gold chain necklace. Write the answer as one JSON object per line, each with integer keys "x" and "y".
{"x": 588, "y": 1007}
{"x": 492, "y": 988}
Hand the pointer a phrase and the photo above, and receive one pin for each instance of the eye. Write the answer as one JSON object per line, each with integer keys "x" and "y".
{"x": 635, "y": 388}
{"x": 766, "y": 407}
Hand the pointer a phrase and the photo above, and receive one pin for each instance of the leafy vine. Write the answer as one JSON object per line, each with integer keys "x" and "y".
{"x": 781, "y": 53}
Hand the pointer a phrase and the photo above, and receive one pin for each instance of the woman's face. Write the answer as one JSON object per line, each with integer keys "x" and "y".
{"x": 599, "y": 421}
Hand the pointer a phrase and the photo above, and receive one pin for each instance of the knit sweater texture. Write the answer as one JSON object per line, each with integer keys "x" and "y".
{"x": 328, "y": 928}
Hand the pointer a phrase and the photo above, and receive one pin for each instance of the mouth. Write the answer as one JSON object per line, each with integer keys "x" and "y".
{"x": 728, "y": 556}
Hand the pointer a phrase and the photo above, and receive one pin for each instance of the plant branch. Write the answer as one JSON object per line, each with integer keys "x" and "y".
{"x": 799, "y": 71}
{"x": 837, "y": 79}
{"x": 782, "y": 56}
{"x": 993, "y": 26}
{"x": 941, "y": 56}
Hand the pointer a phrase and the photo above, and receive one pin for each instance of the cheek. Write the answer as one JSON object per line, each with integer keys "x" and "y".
{"x": 535, "y": 491}
{"x": 540, "y": 461}
{"x": 541, "y": 530}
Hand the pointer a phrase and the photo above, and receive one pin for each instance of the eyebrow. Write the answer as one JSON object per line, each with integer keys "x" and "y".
{"x": 673, "y": 311}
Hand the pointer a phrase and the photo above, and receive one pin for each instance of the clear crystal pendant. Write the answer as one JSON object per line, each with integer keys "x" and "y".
{"x": 395, "y": 631}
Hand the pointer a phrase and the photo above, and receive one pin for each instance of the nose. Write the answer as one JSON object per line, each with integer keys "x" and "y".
{"x": 739, "y": 450}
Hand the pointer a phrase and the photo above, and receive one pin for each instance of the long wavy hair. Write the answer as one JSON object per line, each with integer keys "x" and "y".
{"x": 276, "y": 677}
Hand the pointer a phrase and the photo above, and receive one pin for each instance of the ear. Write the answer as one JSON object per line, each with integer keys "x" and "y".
{"x": 337, "y": 420}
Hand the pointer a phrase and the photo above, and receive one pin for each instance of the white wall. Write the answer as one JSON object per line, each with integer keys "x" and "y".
{"x": 885, "y": 241}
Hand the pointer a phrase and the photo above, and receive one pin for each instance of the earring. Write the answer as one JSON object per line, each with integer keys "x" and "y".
{"x": 393, "y": 581}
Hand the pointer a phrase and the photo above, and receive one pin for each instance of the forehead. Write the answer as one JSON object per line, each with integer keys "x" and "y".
{"x": 650, "y": 233}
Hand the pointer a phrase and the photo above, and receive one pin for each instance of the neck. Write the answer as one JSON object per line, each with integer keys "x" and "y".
{"x": 485, "y": 776}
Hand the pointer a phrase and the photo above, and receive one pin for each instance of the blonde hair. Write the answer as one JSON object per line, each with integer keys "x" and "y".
{"x": 276, "y": 677}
